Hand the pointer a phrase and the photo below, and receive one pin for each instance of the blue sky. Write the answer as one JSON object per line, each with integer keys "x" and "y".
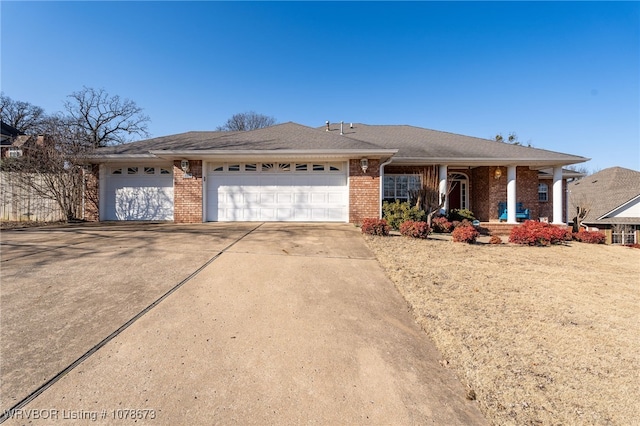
{"x": 564, "y": 76}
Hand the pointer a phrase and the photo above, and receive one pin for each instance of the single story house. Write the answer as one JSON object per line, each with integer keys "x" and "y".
{"x": 337, "y": 172}
{"x": 611, "y": 198}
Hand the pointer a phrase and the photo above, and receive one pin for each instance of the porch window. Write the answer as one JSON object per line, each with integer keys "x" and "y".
{"x": 543, "y": 192}
{"x": 397, "y": 187}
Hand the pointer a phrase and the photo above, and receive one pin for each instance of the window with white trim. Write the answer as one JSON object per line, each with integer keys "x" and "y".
{"x": 14, "y": 152}
{"x": 397, "y": 187}
{"x": 623, "y": 234}
{"x": 543, "y": 192}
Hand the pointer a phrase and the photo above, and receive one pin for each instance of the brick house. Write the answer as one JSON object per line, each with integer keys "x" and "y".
{"x": 338, "y": 172}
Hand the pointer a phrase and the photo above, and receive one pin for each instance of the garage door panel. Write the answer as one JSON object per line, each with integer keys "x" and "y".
{"x": 335, "y": 198}
{"x": 284, "y": 198}
{"x": 300, "y": 198}
{"x": 318, "y": 198}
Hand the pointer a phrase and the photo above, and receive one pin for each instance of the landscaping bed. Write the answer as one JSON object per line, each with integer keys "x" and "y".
{"x": 540, "y": 335}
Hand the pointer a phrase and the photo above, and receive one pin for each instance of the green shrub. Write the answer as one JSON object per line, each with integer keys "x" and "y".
{"x": 465, "y": 234}
{"x": 458, "y": 215}
{"x": 375, "y": 226}
{"x": 395, "y": 213}
{"x": 414, "y": 229}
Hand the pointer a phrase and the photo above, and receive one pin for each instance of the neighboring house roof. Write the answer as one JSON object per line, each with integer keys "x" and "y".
{"x": 407, "y": 145}
{"x": 607, "y": 193}
{"x": 8, "y": 133}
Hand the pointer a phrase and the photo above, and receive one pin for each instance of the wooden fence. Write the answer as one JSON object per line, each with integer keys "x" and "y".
{"x": 20, "y": 203}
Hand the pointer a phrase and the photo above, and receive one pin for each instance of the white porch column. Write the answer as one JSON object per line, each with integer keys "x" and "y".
{"x": 442, "y": 187}
{"x": 511, "y": 194}
{"x": 557, "y": 200}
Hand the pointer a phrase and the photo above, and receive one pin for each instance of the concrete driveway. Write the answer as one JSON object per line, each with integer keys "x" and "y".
{"x": 242, "y": 323}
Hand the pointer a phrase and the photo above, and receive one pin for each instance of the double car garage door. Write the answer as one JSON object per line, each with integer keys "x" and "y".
{"x": 274, "y": 191}
{"x": 277, "y": 191}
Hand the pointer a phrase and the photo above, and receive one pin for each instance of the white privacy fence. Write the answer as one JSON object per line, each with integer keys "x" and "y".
{"x": 20, "y": 203}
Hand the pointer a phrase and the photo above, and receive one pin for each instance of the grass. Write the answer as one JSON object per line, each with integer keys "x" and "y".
{"x": 542, "y": 335}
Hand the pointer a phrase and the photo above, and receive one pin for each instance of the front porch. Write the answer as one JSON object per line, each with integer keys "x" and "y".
{"x": 492, "y": 193}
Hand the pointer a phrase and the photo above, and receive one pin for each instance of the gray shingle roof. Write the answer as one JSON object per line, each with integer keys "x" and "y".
{"x": 278, "y": 137}
{"x": 413, "y": 144}
{"x": 605, "y": 191}
{"x": 416, "y": 142}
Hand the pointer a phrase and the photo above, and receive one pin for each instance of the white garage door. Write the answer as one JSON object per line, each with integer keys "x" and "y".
{"x": 287, "y": 191}
{"x": 139, "y": 192}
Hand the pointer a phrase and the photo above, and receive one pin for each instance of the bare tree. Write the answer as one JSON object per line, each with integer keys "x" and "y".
{"x": 579, "y": 169}
{"x": 51, "y": 166}
{"x": 582, "y": 205}
{"x": 428, "y": 197}
{"x": 103, "y": 120}
{"x": 25, "y": 117}
{"x": 247, "y": 121}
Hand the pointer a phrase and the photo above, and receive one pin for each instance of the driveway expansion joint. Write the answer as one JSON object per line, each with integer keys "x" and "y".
{"x": 7, "y": 414}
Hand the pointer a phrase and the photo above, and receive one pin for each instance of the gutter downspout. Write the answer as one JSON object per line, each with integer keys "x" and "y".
{"x": 382, "y": 165}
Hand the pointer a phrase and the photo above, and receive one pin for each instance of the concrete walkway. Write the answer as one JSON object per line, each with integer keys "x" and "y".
{"x": 286, "y": 324}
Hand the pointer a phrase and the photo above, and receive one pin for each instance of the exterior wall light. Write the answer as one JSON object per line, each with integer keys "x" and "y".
{"x": 498, "y": 173}
{"x": 364, "y": 165}
{"x": 184, "y": 165}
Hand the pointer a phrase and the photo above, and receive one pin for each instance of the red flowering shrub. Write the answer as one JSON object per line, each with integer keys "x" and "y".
{"x": 589, "y": 237}
{"x": 534, "y": 233}
{"x": 465, "y": 234}
{"x": 375, "y": 226}
{"x": 414, "y": 229}
{"x": 441, "y": 225}
{"x": 495, "y": 240}
{"x": 635, "y": 245}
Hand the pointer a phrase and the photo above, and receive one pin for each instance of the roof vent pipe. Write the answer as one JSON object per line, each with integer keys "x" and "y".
{"x": 327, "y": 123}
{"x": 351, "y": 125}
{"x": 341, "y": 124}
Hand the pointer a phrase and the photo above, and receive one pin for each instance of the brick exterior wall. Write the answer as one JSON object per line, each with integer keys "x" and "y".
{"x": 187, "y": 193}
{"x": 527, "y": 190}
{"x": 483, "y": 195}
{"x": 545, "y": 208}
{"x": 364, "y": 191}
{"x": 92, "y": 194}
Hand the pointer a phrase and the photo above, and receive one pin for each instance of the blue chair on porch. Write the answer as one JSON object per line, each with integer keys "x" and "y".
{"x": 521, "y": 212}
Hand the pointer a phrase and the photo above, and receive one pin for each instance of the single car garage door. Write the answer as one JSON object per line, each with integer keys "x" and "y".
{"x": 278, "y": 191}
{"x": 139, "y": 192}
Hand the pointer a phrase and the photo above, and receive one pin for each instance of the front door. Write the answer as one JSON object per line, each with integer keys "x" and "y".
{"x": 458, "y": 193}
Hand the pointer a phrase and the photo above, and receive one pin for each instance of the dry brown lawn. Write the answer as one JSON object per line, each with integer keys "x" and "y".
{"x": 542, "y": 335}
